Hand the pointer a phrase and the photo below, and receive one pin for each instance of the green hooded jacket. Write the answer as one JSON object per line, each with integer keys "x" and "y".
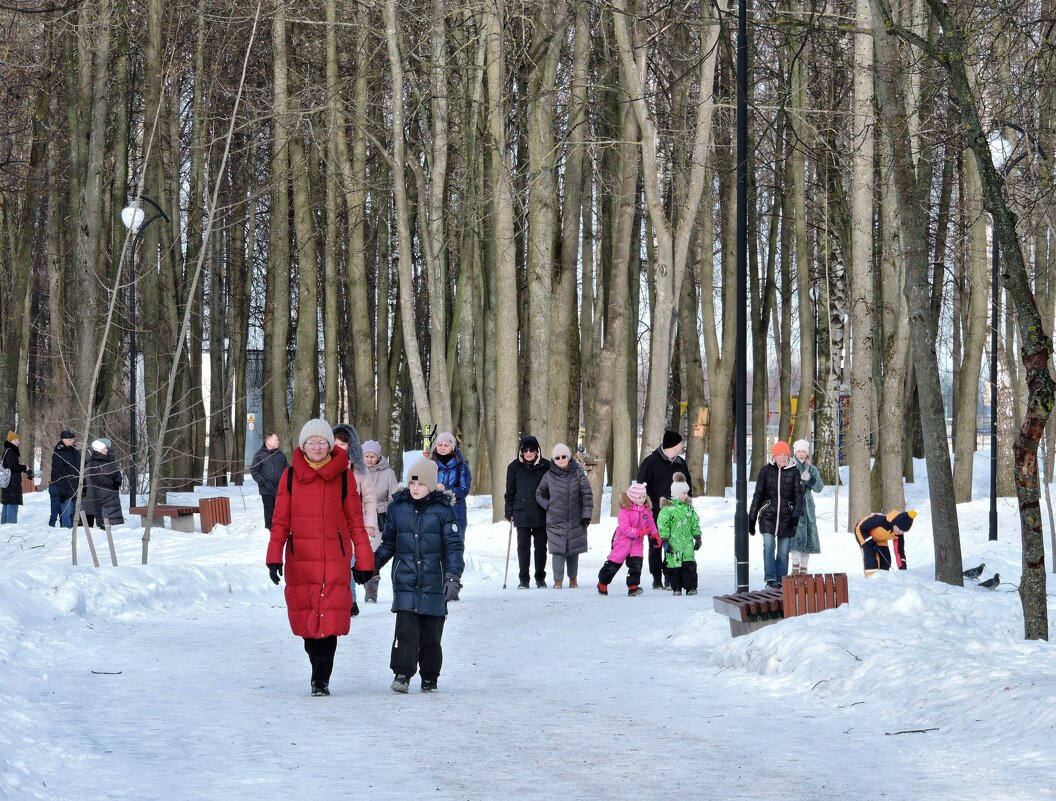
{"x": 680, "y": 528}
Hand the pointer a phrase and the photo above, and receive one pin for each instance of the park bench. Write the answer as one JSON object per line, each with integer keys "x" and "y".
{"x": 798, "y": 595}
{"x": 181, "y": 518}
{"x": 214, "y": 512}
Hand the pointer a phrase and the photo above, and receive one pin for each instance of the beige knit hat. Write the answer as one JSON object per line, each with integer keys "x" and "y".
{"x": 424, "y": 472}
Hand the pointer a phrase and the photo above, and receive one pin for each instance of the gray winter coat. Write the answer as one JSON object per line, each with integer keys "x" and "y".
{"x": 566, "y": 496}
{"x": 102, "y": 479}
{"x": 806, "y": 539}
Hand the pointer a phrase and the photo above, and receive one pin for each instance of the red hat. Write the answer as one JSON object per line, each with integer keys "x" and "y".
{"x": 780, "y": 447}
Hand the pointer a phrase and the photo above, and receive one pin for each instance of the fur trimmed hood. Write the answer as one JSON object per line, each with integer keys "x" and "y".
{"x": 355, "y": 448}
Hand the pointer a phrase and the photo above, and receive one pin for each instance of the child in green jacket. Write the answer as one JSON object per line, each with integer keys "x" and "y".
{"x": 680, "y": 531}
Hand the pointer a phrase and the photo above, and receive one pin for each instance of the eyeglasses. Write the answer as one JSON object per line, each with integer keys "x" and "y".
{"x": 316, "y": 443}
{"x": 560, "y": 458}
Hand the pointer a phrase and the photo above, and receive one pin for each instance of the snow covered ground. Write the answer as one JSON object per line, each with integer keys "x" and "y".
{"x": 181, "y": 680}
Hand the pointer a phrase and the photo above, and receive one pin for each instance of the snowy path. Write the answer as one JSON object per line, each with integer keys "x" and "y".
{"x": 182, "y": 681}
{"x": 539, "y": 697}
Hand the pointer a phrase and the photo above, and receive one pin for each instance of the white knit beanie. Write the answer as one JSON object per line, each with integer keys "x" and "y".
{"x": 98, "y": 445}
{"x": 316, "y": 428}
{"x": 560, "y": 449}
{"x": 445, "y": 436}
{"x": 801, "y": 445}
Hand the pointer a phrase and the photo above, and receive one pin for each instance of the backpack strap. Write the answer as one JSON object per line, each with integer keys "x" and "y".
{"x": 344, "y": 483}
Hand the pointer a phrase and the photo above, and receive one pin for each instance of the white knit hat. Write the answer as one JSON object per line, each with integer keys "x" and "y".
{"x": 98, "y": 445}
{"x": 316, "y": 428}
{"x": 561, "y": 449}
{"x": 802, "y": 445}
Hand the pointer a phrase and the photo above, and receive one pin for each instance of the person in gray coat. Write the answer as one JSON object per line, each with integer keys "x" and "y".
{"x": 102, "y": 481}
{"x": 806, "y": 540}
{"x": 269, "y": 463}
{"x": 566, "y": 496}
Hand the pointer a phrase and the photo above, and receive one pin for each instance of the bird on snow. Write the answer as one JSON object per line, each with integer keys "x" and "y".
{"x": 991, "y": 583}
{"x": 974, "y": 572}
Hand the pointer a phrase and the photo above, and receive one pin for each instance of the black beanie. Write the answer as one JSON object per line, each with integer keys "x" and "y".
{"x": 904, "y": 520}
{"x": 671, "y": 439}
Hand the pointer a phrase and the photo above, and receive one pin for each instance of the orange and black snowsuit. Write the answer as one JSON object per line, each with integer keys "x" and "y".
{"x": 875, "y": 533}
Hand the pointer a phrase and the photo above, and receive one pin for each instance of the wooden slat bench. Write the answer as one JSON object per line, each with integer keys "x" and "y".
{"x": 749, "y": 611}
{"x": 214, "y": 512}
{"x": 181, "y": 518}
{"x": 813, "y": 592}
{"x": 798, "y": 595}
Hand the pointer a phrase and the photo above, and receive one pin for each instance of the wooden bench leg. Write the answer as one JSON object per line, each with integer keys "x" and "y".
{"x": 181, "y": 522}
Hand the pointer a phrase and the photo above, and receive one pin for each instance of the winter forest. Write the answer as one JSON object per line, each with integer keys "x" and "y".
{"x": 499, "y": 218}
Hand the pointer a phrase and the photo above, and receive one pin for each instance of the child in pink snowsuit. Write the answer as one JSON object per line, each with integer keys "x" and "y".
{"x": 635, "y": 522}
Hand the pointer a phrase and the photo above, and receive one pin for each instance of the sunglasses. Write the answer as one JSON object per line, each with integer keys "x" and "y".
{"x": 560, "y": 458}
{"x": 529, "y": 450}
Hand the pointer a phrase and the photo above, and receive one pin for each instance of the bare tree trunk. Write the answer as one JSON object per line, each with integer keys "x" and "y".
{"x": 277, "y": 299}
{"x": 862, "y": 323}
{"x": 503, "y": 303}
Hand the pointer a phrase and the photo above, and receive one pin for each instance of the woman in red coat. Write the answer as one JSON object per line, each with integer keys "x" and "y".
{"x": 317, "y": 526}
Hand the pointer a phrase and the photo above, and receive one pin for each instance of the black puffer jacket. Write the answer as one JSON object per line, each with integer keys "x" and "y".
{"x": 657, "y": 472}
{"x": 424, "y": 538}
{"x": 566, "y": 496}
{"x": 268, "y": 467}
{"x": 778, "y": 500}
{"x": 65, "y": 462}
{"x": 522, "y": 480}
{"x": 12, "y": 493}
{"x": 103, "y": 480}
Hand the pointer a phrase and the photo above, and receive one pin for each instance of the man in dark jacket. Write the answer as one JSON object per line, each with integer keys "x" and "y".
{"x": 657, "y": 472}
{"x": 522, "y": 480}
{"x": 65, "y": 464}
{"x": 267, "y": 468}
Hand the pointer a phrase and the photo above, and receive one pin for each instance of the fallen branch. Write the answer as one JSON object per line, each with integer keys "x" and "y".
{"x": 911, "y": 731}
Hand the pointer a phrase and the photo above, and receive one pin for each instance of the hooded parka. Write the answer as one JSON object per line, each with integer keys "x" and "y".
{"x": 566, "y": 496}
{"x": 424, "y": 539}
{"x": 102, "y": 480}
{"x": 522, "y": 480}
{"x": 314, "y": 534}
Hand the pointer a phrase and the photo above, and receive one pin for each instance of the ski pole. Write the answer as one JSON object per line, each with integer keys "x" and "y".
{"x": 509, "y": 542}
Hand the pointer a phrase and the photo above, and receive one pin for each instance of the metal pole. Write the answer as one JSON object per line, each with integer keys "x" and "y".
{"x": 132, "y": 376}
{"x": 741, "y": 368}
{"x": 995, "y": 308}
{"x": 134, "y": 394}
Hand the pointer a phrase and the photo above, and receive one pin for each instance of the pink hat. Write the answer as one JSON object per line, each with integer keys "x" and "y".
{"x": 637, "y": 492}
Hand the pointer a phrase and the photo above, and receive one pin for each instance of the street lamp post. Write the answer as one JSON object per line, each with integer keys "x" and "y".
{"x": 133, "y": 218}
{"x": 740, "y": 547}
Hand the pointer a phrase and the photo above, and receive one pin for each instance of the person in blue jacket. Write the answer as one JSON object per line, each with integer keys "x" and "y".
{"x": 422, "y": 534}
{"x": 452, "y": 473}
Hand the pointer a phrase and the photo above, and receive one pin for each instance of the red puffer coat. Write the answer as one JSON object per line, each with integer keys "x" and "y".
{"x": 318, "y": 534}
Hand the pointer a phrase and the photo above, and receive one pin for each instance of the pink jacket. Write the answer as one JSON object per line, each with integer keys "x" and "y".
{"x": 632, "y": 526}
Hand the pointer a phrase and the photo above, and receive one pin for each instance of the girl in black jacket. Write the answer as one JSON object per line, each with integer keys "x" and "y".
{"x": 776, "y": 507}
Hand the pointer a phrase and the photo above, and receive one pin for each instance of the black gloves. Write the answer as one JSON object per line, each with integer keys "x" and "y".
{"x": 751, "y": 527}
{"x": 276, "y": 571}
{"x": 696, "y": 543}
{"x": 362, "y": 576}
{"x": 451, "y": 587}
{"x": 586, "y": 522}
